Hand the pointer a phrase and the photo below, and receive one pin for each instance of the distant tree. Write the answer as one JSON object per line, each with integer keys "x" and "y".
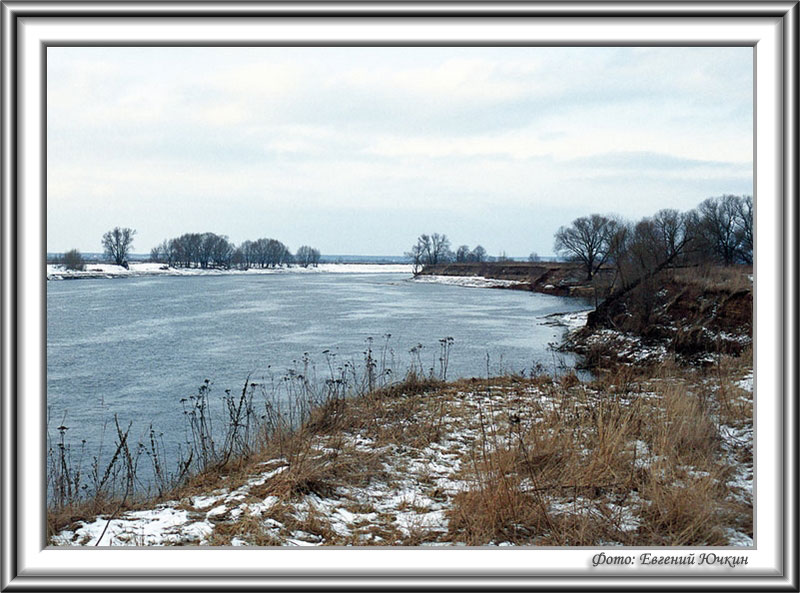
{"x": 430, "y": 250}
{"x": 287, "y": 257}
{"x": 503, "y": 257}
{"x": 440, "y": 246}
{"x": 307, "y": 256}
{"x": 587, "y": 240}
{"x": 720, "y": 228}
{"x": 179, "y": 251}
{"x": 478, "y": 254}
{"x": 462, "y": 254}
{"x": 194, "y": 243}
{"x": 156, "y": 255}
{"x": 248, "y": 254}
{"x": 534, "y": 257}
{"x": 222, "y": 252}
{"x": 73, "y": 260}
{"x": 415, "y": 257}
{"x": 205, "y": 249}
{"x": 744, "y": 224}
{"x": 238, "y": 258}
{"x": 117, "y": 244}
{"x": 275, "y": 253}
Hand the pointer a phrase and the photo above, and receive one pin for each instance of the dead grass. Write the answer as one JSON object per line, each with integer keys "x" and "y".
{"x": 634, "y": 457}
{"x": 628, "y": 459}
{"x": 716, "y": 278}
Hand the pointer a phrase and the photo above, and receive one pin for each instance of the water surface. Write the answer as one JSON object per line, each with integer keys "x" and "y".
{"x": 134, "y": 347}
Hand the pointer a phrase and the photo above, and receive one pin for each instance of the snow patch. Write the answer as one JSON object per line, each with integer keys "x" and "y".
{"x": 467, "y": 281}
{"x": 746, "y": 382}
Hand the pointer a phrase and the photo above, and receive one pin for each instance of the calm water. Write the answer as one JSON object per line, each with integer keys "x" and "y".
{"x": 136, "y": 346}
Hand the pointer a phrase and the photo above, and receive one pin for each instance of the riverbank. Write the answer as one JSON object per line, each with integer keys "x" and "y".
{"x": 691, "y": 314}
{"x": 556, "y": 278}
{"x": 663, "y": 459}
{"x": 656, "y": 450}
{"x": 138, "y": 269}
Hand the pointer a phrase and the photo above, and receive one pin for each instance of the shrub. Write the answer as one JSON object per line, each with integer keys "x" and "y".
{"x": 73, "y": 260}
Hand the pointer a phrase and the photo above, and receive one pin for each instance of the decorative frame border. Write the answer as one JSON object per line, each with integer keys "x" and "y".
{"x": 15, "y": 15}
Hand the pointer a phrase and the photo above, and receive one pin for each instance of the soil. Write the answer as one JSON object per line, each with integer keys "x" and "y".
{"x": 681, "y": 311}
{"x": 557, "y": 278}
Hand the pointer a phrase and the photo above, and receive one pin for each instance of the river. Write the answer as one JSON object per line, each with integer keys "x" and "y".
{"x": 135, "y": 346}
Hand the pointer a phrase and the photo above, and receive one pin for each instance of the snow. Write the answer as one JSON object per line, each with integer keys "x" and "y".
{"x": 737, "y": 538}
{"x": 203, "y": 502}
{"x": 217, "y": 511}
{"x": 467, "y": 281}
{"x": 93, "y": 270}
{"x": 157, "y": 527}
{"x": 410, "y": 496}
{"x": 572, "y": 321}
{"x": 746, "y": 382}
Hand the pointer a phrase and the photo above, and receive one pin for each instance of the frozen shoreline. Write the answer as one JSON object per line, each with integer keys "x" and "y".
{"x": 467, "y": 281}
{"x": 58, "y": 272}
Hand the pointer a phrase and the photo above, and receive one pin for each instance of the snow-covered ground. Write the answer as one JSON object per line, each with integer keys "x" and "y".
{"x": 58, "y": 272}
{"x": 406, "y": 496}
{"x": 468, "y": 281}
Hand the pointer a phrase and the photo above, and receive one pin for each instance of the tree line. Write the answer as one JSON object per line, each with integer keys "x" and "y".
{"x": 434, "y": 249}
{"x": 201, "y": 250}
{"x": 209, "y": 250}
{"x": 719, "y": 230}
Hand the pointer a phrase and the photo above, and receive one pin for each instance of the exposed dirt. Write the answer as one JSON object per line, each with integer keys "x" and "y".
{"x": 692, "y": 312}
{"x": 557, "y": 278}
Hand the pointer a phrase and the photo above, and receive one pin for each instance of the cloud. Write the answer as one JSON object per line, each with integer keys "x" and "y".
{"x": 407, "y": 130}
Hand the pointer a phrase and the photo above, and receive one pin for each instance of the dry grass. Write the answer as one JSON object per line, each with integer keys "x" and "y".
{"x": 633, "y": 457}
{"x": 628, "y": 460}
{"x": 715, "y": 278}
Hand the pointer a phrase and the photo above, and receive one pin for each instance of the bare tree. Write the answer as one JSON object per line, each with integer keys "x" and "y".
{"x": 744, "y": 228}
{"x": 248, "y": 254}
{"x": 718, "y": 229}
{"x": 440, "y": 249}
{"x": 205, "y": 249}
{"x": 307, "y": 256}
{"x": 478, "y": 254}
{"x": 156, "y": 255}
{"x": 117, "y": 244}
{"x": 222, "y": 252}
{"x": 534, "y": 257}
{"x": 430, "y": 250}
{"x": 416, "y": 257}
{"x": 462, "y": 254}
{"x": 587, "y": 240}
{"x": 238, "y": 258}
{"x": 671, "y": 236}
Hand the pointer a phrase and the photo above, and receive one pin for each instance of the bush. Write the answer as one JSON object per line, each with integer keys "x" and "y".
{"x": 73, "y": 260}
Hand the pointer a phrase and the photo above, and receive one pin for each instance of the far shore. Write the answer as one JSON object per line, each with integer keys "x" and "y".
{"x": 136, "y": 269}
{"x": 556, "y": 278}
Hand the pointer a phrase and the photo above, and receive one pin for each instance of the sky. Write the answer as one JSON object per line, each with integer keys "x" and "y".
{"x": 360, "y": 150}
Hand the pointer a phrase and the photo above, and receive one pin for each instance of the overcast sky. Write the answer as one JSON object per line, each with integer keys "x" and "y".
{"x": 359, "y": 150}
